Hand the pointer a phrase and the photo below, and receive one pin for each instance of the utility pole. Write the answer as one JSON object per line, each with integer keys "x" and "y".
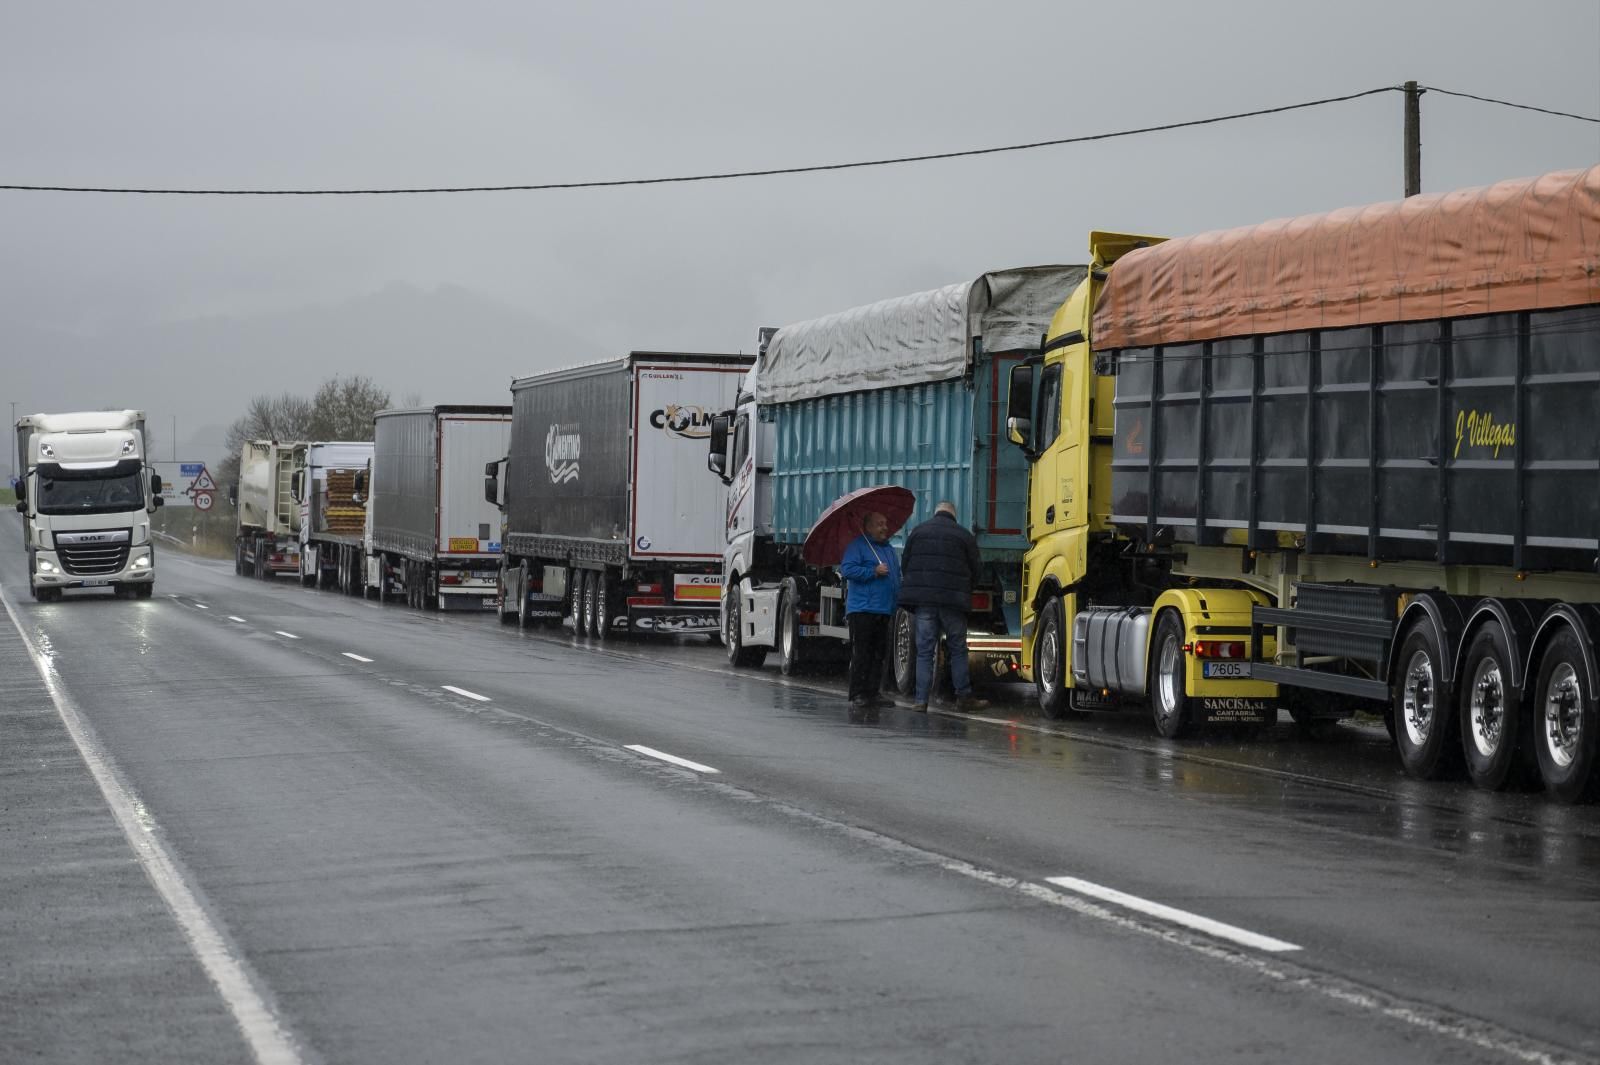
{"x": 15, "y": 472}
{"x": 1413, "y": 146}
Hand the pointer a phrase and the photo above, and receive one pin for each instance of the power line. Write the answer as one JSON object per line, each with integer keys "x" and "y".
{"x": 684, "y": 179}
{"x": 1508, "y": 103}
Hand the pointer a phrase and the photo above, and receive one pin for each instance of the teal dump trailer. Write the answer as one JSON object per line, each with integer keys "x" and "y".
{"x": 907, "y": 391}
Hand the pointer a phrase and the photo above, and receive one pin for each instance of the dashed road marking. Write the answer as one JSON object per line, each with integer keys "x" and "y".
{"x": 1234, "y": 934}
{"x": 201, "y": 606}
{"x": 352, "y": 654}
{"x": 651, "y": 752}
{"x": 285, "y": 635}
{"x": 463, "y": 691}
{"x": 235, "y": 617}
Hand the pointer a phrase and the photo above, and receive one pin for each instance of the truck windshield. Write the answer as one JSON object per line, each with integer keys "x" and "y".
{"x": 100, "y": 491}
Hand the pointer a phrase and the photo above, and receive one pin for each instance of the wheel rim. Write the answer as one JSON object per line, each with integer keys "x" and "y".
{"x": 600, "y": 622}
{"x": 731, "y": 632}
{"x": 1487, "y": 709}
{"x": 1563, "y": 715}
{"x": 1049, "y": 656}
{"x": 1417, "y": 698}
{"x": 588, "y": 605}
{"x": 788, "y": 632}
{"x": 904, "y": 657}
{"x": 1168, "y": 678}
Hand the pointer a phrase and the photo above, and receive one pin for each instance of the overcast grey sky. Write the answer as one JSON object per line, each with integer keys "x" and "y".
{"x": 186, "y": 306}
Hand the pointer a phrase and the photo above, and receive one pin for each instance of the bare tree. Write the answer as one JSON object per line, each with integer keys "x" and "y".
{"x": 343, "y": 408}
{"x": 281, "y": 417}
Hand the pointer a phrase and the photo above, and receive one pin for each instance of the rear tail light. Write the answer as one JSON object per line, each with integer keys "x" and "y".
{"x": 277, "y": 557}
{"x": 649, "y": 589}
{"x": 1216, "y": 648}
{"x": 450, "y": 578}
{"x": 807, "y": 617}
{"x": 982, "y": 602}
{"x": 646, "y": 600}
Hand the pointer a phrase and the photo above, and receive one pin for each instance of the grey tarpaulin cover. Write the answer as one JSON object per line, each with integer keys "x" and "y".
{"x": 914, "y": 339}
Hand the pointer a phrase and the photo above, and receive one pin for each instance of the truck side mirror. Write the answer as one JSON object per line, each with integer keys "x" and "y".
{"x": 22, "y": 505}
{"x": 233, "y": 494}
{"x": 1019, "y": 407}
{"x": 22, "y": 491}
{"x": 358, "y": 493}
{"x": 295, "y": 480}
{"x": 156, "y": 502}
{"x": 491, "y": 482}
{"x": 155, "y": 484}
{"x": 717, "y": 456}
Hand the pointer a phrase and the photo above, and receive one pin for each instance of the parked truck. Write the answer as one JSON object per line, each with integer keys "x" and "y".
{"x": 433, "y": 541}
{"x": 1344, "y": 460}
{"x": 608, "y": 514}
{"x": 267, "y": 536}
{"x": 327, "y": 484}
{"x": 86, "y": 495}
{"x": 906, "y": 391}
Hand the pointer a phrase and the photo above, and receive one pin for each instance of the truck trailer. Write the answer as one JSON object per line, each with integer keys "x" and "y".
{"x": 607, "y": 510}
{"x": 327, "y": 483}
{"x": 906, "y": 391}
{"x": 267, "y": 537}
{"x": 85, "y": 496}
{"x": 432, "y": 540}
{"x": 1347, "y": 459}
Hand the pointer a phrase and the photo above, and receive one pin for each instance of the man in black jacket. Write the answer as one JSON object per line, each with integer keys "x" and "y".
{"x": 938, "y": 567}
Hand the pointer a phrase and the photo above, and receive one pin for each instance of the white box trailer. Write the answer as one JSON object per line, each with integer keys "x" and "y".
{"x": 434, "y": 540}
{"x": 608, "y": 512}
{"x": 267, "y": 537}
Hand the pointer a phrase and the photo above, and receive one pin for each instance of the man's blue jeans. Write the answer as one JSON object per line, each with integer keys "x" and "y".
{"x": 931, "y": 620}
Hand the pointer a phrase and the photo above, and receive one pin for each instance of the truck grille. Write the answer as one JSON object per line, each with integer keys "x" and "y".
{"x": 92, "y": 554}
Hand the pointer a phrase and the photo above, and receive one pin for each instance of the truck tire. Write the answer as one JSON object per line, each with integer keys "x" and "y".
{"x": 1566, "y": 721}
{"x": 429, "y": 589}
{"x": 583, "y": 597}
{"x": 903, "y": 651}
{"x": 513, "y": 595}
{"x": 260, "y": 569}
{"x": 1425, "y": 722}
{"x": 238, "y": 558}
{"x": 790, "y": 658}
{"x": 146, "y": 590}
{"x": 1169, "y": 703}
{"x": 600, "y": 623}
{"x": 739, "y": 656}
{"x": 309, "y": 579}
{"x": 1492, "y": 727}
{"x": 1050, "y": 661}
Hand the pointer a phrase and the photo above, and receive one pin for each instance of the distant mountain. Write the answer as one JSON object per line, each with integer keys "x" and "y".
{"x": 447, "y": 344}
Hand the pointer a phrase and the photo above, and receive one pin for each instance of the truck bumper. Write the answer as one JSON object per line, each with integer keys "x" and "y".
{"x": 48, "y": 571}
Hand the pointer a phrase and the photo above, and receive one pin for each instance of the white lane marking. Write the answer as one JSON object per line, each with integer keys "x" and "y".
{"x": 674, "y": 759}
{"x": 1242, "y": 936}
{"x": 201, "y": 606}
{"x": 285, "y": 635}
{"x": 352, "y": 654}
{"x": 235, "y": 617}
{"x": 269, "y": 1041}
{"x": 463, "y": 691}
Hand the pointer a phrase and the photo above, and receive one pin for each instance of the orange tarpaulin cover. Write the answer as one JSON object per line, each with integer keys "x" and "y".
{"x": 1519, "y": 245}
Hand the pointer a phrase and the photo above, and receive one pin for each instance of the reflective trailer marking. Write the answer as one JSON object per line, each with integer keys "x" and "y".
{"x": 463, "y": 691}
{"x": 234, "y": 617}
{"x": 674, "y": 759}
{"x": 358, "y": 658}
{"x": 201, "y": 606}
{"x": 1232, "y": 933}
{"x": 286, "y": 635}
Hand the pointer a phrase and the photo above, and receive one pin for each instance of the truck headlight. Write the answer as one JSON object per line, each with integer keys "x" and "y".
{"x": 142, "y": 562}
{"x": 46, "y": 566}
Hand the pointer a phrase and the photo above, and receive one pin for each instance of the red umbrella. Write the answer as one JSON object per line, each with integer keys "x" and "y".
{"x": 842, "y": 521}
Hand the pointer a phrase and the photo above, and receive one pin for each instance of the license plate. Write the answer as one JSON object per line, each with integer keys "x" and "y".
{"x": 95, "y": 582}
{"x": 1226, "y": 670}
{"x": 808, "y": 630}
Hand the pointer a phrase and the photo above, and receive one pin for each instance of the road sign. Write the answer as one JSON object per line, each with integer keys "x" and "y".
{"x": 202, "y": 501}
{"x": 176, "y": 478}
{"x": 203, "y": 482}
{"x": 192, "y": 469}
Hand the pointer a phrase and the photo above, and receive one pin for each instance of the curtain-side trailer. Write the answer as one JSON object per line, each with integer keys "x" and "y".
{"x": 906, "y": 391}
{"x": 1352, "y": 456}
{"x": 608, "y": 514}
{"x": 434, "y": 542}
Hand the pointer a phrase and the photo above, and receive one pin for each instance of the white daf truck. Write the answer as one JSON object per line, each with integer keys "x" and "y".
{"x": 86, "y": 497}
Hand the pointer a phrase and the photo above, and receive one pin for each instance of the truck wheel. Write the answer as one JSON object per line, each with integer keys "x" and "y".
{"x": 145, "y": 591}
{"x": 1424, "y": 733}
{"x": 1566, "y": 721}
{"x": 513, "y": 594}
{"x": 903, "y": 651}
{"x": 739, "y": 656}
{"x": 582, "y": 599}
{"x": 1492, "y": 733}
{"x": 1169, "y": 703}
{"x": 260, "y": 569}
{"x": 308, "y": 579}
{"x": 428, "y": 592}
{"x": 1050, "y": 661}
{"x": 789, "y": 657}
{"x": 600, "y": 623}
{"x": 238, "y": 558}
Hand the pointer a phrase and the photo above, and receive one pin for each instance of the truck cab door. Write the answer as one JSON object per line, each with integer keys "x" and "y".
{"x": 1045, "y": 511}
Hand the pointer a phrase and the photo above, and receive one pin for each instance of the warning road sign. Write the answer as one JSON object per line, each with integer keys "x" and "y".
{"x": 203, "y": 482}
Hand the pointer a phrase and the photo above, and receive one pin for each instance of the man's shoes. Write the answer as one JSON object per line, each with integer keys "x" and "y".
{"x": 883, "y": 703}
{"x": 861, "y": 702}
{"x": 968, "y": 703}
{"x": 921, "y": 708}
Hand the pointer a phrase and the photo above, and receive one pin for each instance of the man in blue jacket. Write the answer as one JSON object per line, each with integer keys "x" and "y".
{"x": 942, "y": 565}
{"x": 872, "y": 574}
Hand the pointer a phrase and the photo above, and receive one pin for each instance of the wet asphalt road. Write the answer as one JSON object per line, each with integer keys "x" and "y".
{"x": 398, "y": 872}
